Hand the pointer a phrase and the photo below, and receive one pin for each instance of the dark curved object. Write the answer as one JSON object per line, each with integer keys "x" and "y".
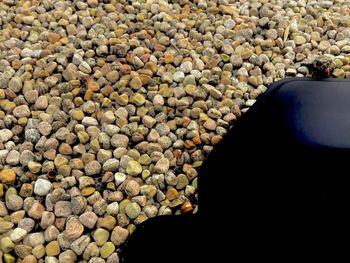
{"x": 275, "y": 188}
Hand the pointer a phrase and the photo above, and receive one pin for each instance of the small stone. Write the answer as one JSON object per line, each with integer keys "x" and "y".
{"x": 111, "y": 165}
{"x": 119, "y": 235}
{"x": 158, "y": 100}
{"x": 6, "y": 244}
{"x": 42, "y": 187}
{"x": 7, "y": 176}
{"x": 172, "y": 194}
{"x": 36, "y": 210}
{"x": 5, "y": 226}
{"x": 63, "y": 209}
{"x": 324, "y": 45}
{"x": 113, "y": 209}
{"x": 149, "y": 191}
{"x": 120, "y": 140}
{"x": 31, "y": 96}
{"x": 5, "y": 135}
{"x": 133, "y": 168}
{"x": 53, "y": 37}
{"x": 47, "y": 219}
{"x": 89, "y": 121}
{"x": 88, "y": 219}
{"x": 79, "y": 245}
{"x": 8, "y": 258}
{"x": 135, "y": 83}
{"x": 84, "y": 67}
{"x": 67, "y": 256}
{"x": 186, "y": 67}
{"x": 14, "y": 202}
{"x": 119, "y": 178}
{"x": 178, "y": 76}
{"x": 52, "y": 248}
{"x": 21, "y": 111}
{"x": 32, "y": 135}
{"x": 100, "y": 236}
{"x": 41, "y": 103}
{"x": 299, "y": 40}
{"x": 133, "y": 210}
{"x": 162, "y": 166}
{"x": 74, "y": 229}
{"x": 107, "y": 249}
{"x": 210, "y": 125}
{"x": 138, "y": 99}
{"x": 13, "y": 157}
{"x": 132, "y": 188}
{"x": 92, "y": 168}
{"x": 15, "y": 84}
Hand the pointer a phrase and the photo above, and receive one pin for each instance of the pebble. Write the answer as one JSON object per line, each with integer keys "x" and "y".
{"x": 5, "y": 135}
{"x": 84, "y": 67}
{"x": 63, "y": 209}
{"x": 133, "y": 168}
{"x": 120, "y": 140}
{"x": 74, "y": 229}
{"x": 79, "y": 245}
{"x": 67, "y": 256}
{"x": 119, "y": 235}
{"x": 15, "y": 84}
{"x": 162, "y": 165}
{"x": 92, "y": 168}
{"x": 41, "y": 103}
{"x": 42, "y": 187}
{"x": 7, "y": 176}
{"x": 107, "y": 249}
{"x": 133, "y": 210}
{"x": 52, "y": 248}
{"x": 100, "y": 236}
{"x": 132, "y": 188}
{"x": 18, "y": 234}
{"x": 186, "y": 67}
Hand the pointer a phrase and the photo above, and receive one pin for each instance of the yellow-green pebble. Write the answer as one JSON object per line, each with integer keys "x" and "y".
{"x": 107, "y": 249}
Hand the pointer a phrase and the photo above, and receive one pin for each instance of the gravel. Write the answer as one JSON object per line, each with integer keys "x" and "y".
{"x": 107, "y": 110}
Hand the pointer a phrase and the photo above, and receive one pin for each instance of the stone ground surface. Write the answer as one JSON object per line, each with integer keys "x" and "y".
{"x": 108, "y": 108}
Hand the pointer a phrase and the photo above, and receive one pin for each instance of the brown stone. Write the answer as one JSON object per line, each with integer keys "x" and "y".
{"x": 36, "y": 211}
{"x": 53, "y": 37}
